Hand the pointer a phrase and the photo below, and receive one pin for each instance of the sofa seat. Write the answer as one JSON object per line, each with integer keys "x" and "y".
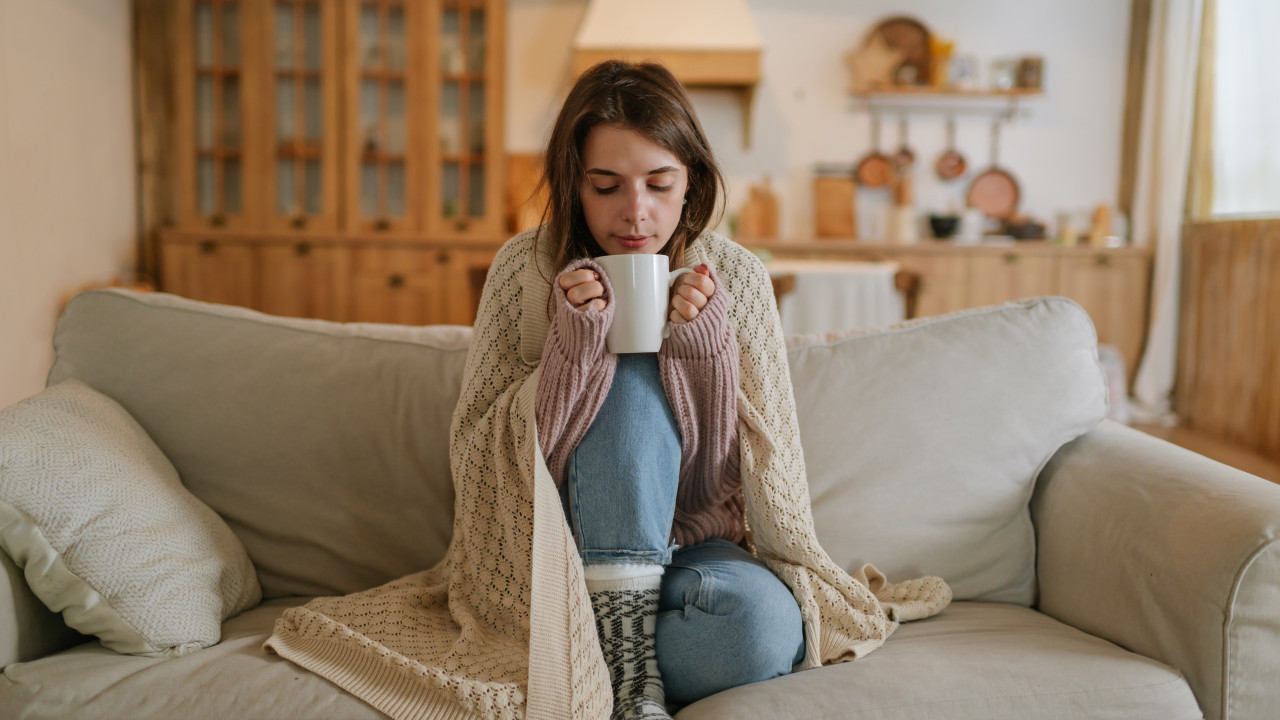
{"x": 975, "y": 660}
{"x": 233, "y": 679}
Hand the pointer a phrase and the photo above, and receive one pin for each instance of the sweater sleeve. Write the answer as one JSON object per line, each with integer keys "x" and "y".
{"x": 576, "y": 373}
{"x": 699, "y": 368}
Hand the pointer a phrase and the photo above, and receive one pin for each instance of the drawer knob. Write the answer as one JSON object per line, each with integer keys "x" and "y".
{"x": 395, "y": 281}
{"x": 302, "y": 249}
{"x": 208, "y": 247}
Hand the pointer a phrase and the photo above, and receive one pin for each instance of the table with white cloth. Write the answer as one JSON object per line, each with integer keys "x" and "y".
{"x": 832, "y": 295}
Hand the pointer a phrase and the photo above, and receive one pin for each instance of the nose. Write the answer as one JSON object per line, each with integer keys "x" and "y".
{"x": 636, "y": 209}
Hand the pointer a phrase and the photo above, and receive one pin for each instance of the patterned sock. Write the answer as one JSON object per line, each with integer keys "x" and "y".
{"x": 626, "y": 612}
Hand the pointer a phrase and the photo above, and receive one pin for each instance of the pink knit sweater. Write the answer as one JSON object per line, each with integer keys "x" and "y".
{"x": 698, "y": 364}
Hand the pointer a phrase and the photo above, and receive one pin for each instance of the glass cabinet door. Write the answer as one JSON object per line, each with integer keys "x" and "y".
{"x": 215, "y": 126}
{"x": 382, "y": 157}
{"x": 465, "y": 100}
{"x": 303, "y": 107}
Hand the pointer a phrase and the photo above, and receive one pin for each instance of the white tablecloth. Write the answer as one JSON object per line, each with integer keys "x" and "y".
{"x": 831, "y": 295}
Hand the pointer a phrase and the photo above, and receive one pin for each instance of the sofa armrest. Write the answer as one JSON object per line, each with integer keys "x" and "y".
{"x": 28, "y": 629}
{"x": 1169, "y": 554}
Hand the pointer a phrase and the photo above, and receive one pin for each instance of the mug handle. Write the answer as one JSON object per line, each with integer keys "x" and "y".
{"x": 671, "y": 281}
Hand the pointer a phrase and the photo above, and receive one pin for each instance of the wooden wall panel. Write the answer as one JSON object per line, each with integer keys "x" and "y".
{"x": 1229, "y": 356}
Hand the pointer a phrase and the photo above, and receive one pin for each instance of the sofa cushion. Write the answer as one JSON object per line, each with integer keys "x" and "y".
{"x": 233, "y": 679}
{"x": 975, "y": 660}
{"x": 105, "y": 532}
{"x": 923, "y": 440}
{"x": 324, "y": 446}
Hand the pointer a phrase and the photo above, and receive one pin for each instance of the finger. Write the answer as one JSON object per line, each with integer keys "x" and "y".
{"x": 702, "y": 283}
{"x": 577, "y": 277}
{"x": 580, "y": 294}
{"x": 686, "y": 309}
{"x": 693, "y": 295}
{"x": 597, "y": 305}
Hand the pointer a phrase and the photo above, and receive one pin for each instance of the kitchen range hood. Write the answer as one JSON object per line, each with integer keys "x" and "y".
{"x": 705, "y": 43}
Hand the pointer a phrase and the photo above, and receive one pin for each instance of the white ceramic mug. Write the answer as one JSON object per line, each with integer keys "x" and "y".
{"x": 641, "y": 288}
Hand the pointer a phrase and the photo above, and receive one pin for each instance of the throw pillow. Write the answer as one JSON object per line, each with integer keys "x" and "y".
{"x": 923, "y": 441}
{"x": 105, "y": 532}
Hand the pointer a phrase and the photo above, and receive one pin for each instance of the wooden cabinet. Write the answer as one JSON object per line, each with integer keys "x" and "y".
{"x": 212, "y": 271}
{"x": 1112, "y": 285}
{"x": 360, "y": 116}
{"x": 361, "y": 280}
{"x": 303, "y": 279}
{"x": 218, "y": 118}
{"x": 996, "y": 277}
{"x": 339, "y": 159}
{"x": 300, "y": 106}
{"x": 1114, "y": 290}
{"x": 944, "y": 283}
{"x": 397, "y": 285}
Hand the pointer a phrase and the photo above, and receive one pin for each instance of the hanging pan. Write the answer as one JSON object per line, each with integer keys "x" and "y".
{"x": 994, "y": 191}
{"x": 951, "y": 164}
{"x": 875, "y": 169}
{"x": 904, "y": 158}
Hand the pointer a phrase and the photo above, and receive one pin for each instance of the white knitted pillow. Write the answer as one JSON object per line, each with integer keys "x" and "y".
{"x": 105, "y": 531}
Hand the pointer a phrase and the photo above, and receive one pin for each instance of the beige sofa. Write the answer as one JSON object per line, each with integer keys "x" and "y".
{"x": 1098, "y": 572}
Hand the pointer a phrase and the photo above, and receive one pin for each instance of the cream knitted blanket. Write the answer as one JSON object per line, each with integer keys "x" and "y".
{"x": 502, "y": 627}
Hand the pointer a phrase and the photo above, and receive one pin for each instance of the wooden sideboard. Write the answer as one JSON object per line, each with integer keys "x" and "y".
{"x": 1112, "y": 284}
{"x": 345, "y": 278}
{"x": 421, "y": 281}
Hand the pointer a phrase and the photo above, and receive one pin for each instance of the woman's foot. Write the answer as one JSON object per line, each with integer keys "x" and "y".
{"x": 626, "y": 613}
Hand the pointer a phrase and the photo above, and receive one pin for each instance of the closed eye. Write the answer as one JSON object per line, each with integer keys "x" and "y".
{"x": 661, "y": 188}
{"x": 604, "y": 190}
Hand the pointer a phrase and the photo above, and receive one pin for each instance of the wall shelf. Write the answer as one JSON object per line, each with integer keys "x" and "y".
{"x": 911, "y": 99}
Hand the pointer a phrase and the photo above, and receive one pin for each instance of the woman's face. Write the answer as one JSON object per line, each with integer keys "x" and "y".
{"x": 633, "y": 191}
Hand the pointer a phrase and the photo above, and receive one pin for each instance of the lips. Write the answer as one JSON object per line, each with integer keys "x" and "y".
{"x": 633, "y": 242}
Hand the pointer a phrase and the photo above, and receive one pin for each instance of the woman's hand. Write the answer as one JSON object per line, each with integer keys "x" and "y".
{"x": 692, "y": 292}
{"x": 583, "y": 289}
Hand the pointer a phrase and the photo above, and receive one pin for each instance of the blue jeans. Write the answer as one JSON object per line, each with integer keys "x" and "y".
{"x": 723, "y": 618}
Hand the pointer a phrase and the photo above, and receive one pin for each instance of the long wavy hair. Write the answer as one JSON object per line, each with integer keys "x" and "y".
{"x": 647, "y": 99}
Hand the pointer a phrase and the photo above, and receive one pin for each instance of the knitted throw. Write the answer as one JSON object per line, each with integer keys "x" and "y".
{"x": 503, "y": 627}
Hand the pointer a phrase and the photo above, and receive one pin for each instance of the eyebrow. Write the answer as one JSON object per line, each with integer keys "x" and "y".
{"x": 657, "y": 171}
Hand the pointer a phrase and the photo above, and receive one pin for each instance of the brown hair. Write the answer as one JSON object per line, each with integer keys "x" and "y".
{"x": 643, "y": 97}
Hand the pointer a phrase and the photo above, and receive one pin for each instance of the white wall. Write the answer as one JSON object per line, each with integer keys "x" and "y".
{"x": 66, "y": 169}
{"x": 1065, "y": 154}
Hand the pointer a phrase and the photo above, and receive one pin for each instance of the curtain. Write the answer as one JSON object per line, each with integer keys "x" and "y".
{"x": 1160, "y": 193}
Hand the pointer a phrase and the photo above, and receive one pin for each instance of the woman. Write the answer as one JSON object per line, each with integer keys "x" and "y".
{"x": 505, "y": 625}
{"x": 629, "y": 171}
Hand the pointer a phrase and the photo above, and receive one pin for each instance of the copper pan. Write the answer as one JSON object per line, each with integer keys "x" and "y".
{"x": 875, "y": 169}
{"x": 951, "y": 164}
{"x": 994, "y": 191}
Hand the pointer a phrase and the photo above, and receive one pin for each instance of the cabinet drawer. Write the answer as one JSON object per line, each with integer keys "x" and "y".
{"x": 215, "y": 271}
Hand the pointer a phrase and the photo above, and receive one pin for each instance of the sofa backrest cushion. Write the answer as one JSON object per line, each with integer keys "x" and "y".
{"x": 922, "y": 441}
{"x": 323, "y": 446}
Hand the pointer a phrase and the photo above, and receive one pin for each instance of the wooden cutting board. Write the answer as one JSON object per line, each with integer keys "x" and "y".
{"x": 759, "y": 216}
{"x": 833, "y": 207}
